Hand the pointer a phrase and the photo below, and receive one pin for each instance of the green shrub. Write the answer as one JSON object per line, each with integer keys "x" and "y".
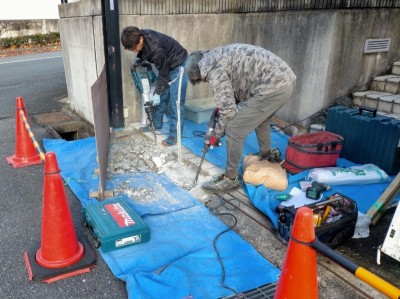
{"x": 52, "y": 38}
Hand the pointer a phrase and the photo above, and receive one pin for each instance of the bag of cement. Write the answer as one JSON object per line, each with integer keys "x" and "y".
{"x": 266, "y": 173}
{"x": 355, "y": 175}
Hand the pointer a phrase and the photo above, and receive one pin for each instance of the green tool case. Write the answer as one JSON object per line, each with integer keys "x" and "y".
{"x": 114, "y": 224}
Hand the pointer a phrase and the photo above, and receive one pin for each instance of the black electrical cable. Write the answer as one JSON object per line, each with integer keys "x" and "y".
{"x": 199, "y": 133}
{"x": 218, "y": 254}
{"x": 322, "y": 114}
{"x": 166, "y": 213}
{"x": 230, "y": 227}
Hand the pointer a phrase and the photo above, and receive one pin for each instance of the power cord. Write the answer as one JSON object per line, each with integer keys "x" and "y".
{"x": 230, "y": 227}
{"x": 321, "y": 115}
{"x": 199, "y": 133}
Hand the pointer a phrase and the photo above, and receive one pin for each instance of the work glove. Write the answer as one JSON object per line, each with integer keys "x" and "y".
{"x": 156, "y": 99}
{"x": 211, "y": 140}
{"x": 138, "y": 61}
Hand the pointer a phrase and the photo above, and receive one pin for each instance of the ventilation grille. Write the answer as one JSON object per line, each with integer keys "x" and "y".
{"x": 377, "y": 45}
{"x": 264, "y": 292}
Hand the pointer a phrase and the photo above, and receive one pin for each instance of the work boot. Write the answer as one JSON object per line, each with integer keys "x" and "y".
{"x": 221, "y": 183}
{"x": 272, "y": 155}
{"x": 171, "y": 140}
{"x": 148, "y": 129}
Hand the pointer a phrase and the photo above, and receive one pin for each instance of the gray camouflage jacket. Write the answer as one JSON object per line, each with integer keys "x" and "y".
{"x": 239, "y": 72}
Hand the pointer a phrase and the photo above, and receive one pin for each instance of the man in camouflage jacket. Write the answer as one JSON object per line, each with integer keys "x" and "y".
{"x": 250, "y": 84}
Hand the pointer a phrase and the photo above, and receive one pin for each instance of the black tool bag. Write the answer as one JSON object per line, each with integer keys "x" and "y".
{"x": 335, "y": 219}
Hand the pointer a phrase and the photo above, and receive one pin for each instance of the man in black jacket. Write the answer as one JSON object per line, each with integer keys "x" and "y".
{"x": 168, "y": 56}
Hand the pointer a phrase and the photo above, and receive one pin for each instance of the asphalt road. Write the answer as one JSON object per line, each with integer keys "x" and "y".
{"x": 40, "y": 80}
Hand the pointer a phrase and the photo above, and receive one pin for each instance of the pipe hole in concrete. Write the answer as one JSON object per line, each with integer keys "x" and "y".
{"x": 73, "y": 130}
{"x": 65, "y": 126}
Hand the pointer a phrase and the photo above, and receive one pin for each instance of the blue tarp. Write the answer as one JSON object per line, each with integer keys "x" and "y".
{"x": 180, "y": 259}
{"x": 217, "y": 155}
{"x": 263, "y": 198}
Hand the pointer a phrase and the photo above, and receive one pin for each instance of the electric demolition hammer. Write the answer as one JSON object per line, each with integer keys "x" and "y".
{"x": 143, "y": 76}
{"x": 214, "y": 118}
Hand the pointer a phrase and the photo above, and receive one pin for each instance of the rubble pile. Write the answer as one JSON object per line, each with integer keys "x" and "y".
{"x": 131, "y": 152}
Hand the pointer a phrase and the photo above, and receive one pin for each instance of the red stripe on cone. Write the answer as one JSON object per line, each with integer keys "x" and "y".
{"x": 25, "y": 152}
{"x": 59, "y": 243}
{"x": 298, "y": 277}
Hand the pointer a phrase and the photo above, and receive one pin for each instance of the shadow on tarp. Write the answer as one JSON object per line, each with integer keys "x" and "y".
{"x": 179, "y": 260}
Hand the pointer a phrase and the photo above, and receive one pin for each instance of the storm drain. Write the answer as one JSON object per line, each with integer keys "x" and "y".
{"x": 264, "y": 292}
{"x": 64, "y": 126}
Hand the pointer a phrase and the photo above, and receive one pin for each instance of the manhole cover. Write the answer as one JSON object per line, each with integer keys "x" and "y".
{"x": 51, "y": 118}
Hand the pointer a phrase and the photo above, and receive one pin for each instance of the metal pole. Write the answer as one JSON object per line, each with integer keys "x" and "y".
{"x": 178, "y": 111}
{"x": 374, "y": 281}
{"x": 112, "y": 52}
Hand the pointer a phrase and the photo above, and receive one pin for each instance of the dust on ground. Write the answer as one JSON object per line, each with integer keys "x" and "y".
{"x": 131, "y": 152}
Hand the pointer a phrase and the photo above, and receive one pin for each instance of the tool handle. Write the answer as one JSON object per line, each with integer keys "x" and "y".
{"x": 373, "y": 111}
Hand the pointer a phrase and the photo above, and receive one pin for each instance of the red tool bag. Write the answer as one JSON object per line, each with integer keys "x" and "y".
{"x": 319, "y": 149}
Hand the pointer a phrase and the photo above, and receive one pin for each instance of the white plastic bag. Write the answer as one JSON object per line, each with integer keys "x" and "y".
{"x": 362, "y": 226}
{"x": 355, "y": 175}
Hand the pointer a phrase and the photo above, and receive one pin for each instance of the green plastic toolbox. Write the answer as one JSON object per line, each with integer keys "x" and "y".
{"x": 114, "y": 224}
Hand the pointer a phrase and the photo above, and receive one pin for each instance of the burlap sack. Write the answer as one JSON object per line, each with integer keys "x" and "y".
{"x": 271, "y": 175}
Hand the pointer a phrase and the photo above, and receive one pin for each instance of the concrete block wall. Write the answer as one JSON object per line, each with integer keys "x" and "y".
{"x": 13, "y": 28}
{"x": 383, "y": 95}
{"x": 324, "y": 47}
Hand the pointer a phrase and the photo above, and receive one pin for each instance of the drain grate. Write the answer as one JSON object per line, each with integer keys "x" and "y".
{"x": 377, "y": 45}
{"x": 264, "y": 292}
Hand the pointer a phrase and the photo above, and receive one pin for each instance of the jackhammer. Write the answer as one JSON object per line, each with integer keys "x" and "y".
{"x": 143, "y": 76}
{"x": 214, "y": 118}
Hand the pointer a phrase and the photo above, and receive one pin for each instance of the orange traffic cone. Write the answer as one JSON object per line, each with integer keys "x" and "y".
{"x": 25, "y": 152}
{"x": 60, "y": 255}
{"x": 298, "y": 277}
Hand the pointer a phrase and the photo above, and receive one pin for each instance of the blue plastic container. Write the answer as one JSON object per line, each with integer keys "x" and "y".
{"x": 368, "y": 137}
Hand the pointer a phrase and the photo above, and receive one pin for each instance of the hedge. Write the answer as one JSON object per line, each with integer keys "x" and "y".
{"x": 52, "y": 38}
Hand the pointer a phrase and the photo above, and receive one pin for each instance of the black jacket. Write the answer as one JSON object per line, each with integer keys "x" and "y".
{"x": 164, "y": 52}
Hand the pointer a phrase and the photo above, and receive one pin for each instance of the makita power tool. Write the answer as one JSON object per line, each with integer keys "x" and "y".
{"x": 143, "y": 76}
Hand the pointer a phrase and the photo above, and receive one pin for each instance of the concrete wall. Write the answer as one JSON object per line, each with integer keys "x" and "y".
{"x": 324, "y": 48}
{"x": 13, "y": 28}
{"x": 83, "y": 52}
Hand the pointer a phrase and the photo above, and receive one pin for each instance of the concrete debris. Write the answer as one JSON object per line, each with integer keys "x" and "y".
{"x": 131, "y": 152}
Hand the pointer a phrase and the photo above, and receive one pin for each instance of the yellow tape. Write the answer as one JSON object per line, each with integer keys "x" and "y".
{"x": 32, "y": 136}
